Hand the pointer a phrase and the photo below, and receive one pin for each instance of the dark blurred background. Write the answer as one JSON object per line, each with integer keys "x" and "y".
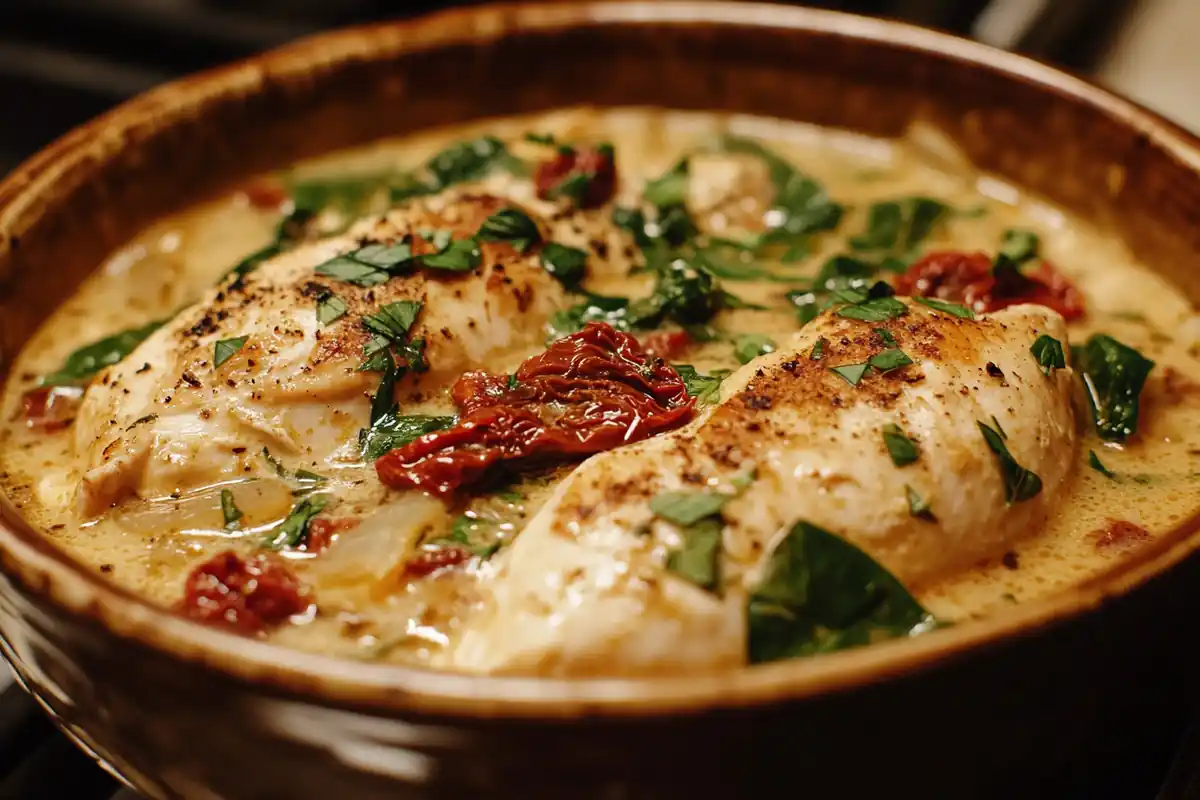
{"x": 64, "y": 61}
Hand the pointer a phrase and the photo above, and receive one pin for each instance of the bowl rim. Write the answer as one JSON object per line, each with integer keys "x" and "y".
{"x": 68, "y": 586}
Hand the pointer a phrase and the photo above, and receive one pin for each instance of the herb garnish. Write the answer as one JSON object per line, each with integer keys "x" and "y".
{"x": 510, "y": 225}
{"x": 820, "y": 593}
{"x": 460, "y": 255}
{"x": 698, "y": 516}
{"x": 1019, "y": 483}
{"x": 852, "y": 373}
{"x": 705, "y": 388}
{"x": 801, "y": 205}
{"x": 878, "y": 309}
{"x": 330, "y": 307}
{"x": 305, "y": 480}
{"x": 1049, "y": 353}
{"x": 389, "y": 328}
{"x": 393, "y": 320}
{"x": 1016, "y": 248}
{"x": 79, "y": 367}
{"x": 226, "y": 349}
{"x": 918, "y": 506}
{"x": 902, "y": 449}
{"x": 229, "y": 510}
{"x": 1095, "y": 463}
{"x": 370, "y": 265}
{"x": 956, "y": 309}
{"x": 750, "y": 346}
{"x": 688, "y": 508}
{"x": 293, "y": 531}
{"x": 391, "y": 430}
{"x": 889, "y": 360}
{"x": 896, "y": 228}
{"x": 818, "y": 350}
{"x": 567, "y": 265}
{"x": 885, "y": 336}
{"x": 1114, "y": 375}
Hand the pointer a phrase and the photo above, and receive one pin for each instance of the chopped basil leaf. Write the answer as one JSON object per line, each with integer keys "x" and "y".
{"x": 468, "y": 161}
{"x": 878, "y": 309}
{"x": 750, "y": 346}
{"x": 897, "y": 227}
{"x": 512, "y": 381}
{"x": 902, "y": 449}
{"x": 574, "y": 187}
{"x": 1019, "y": 483}
{"x": 1114, "y": 375}
{"x": 705, "y": 388}
{"x": 886, "y": 336}
{"x": 513, "y": 226}
{"x": 596, "y": 307}
{"x": 391, "y": 430}
{"x": 670, "y": 189}
{"x": 370, "y": 265}
{"x": 384, "y": 256}
{"x": 801, "y": 205}
{"x": 79, "y": 367}
{"x": 698, "y": 560}
{"x": 889, "y": 360}
{"x": 1049, "y": 353}
{"x": 385, "y": 394}
{"x": 541, "y": 138}
{"x": 1016, "y": 248}
{"x": 956, "y": 309}
{"x": 393, "y": 320}
{"x": 345, "y": 268}
{"x": 688, "y": 508}
{"x": 818, "y": 350}
{"x": 226, "y": 349}
{"x": 293, "y": 531}
{"x": 1095, "y": 463}
{"x": 820, "y": 593}
{"x": 461, "y": 255}
{"x": 229, "y": 510}
{"x": 852, "y": 373}
{"x": 996, "y": 425}
{"x": 330, "y": 308}
{"x": 567, "y": 265}
{"x": 307, "y": 480}
{"x": 918, "y": 506}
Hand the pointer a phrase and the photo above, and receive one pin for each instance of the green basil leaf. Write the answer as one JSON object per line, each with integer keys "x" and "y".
{"x": 886, "y": 336}
{"x": 1019, "y": 483}
{"x": 1095, "y": 463}
{"x": 879, "y": 309}
{"x": 902, "y": 449}
{"x": 670, "y": 189}
{"x": 889, "y": 360}
{"x": 385, "y": 394}
{"x": 567, "y": 265}
{"x": 1017, "y": 247}
{"x": 610, "y": 310}
{"x": 852, "y": 373}
{"x": 705, "y": 388}
{"x": 393, "y": 320}
{"x": 1049, "y": 353}
{"x": 229, "y": 510}
{"x": 79, "y": 367}
{"x": 461, "y": 255}
{"x": 819, "y": 593}
{"x": 469, "y": 161}
{"x": 750, "y": 346}
{"x": 801, "y": 204}
{"x": 293, "y": 531}
{"x": 330, "y": 308}
{"x": 303, "y": 480}
{"x": 918, "y": 506}
{"x": 818, "y": 350}
{"x": 344, "y": 268}
{"x": 392, "y": 430}
{"x": 513, "y": 226}
{"x": 698, "y": 559}
{"x": 956, "y": 309}
{"x": 899, "y": 226}
{"x": 226, "y": 349}
{"x": 1114, "y": 375}
{"x": 687, "y": 508}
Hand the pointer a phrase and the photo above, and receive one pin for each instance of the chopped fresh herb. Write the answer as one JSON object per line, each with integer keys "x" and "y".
{"x": 852, "y": 373}
{"x": 573, "y": 187}
{"x": 385, "y": 394}
{"x": 392, "y": 430}
{"x": 306, "y": 480}
{"x": 949, "y": 308}
{"x": 1019, "y": 483}
{"x": 1095, "y": 463}
{"x": 79, "y": 367}
{"x": 226, "y": 349}
{"x": 229, "y": 510}
{"x": 1114, "y": 375}
{"x": 370, "y": 265}
{"x": 567, "y": 265}
{"x": 541, "y": 138}
{"x": 801, "y": 205}
{"x": 818, "y": 350}
{"x": 595, "y": 307}
{"x": 885, "y": 336}
{"x": 461, "y": 255}
{"x": 1000, "y": 430}
{"x": 698, "y": 560}
{"x": 889, "y": 360}
{"x": 330, "y": 308}
{"x": 897, "y": 227}
{"x": 688, "y": 508}
{"x": 345, "y": 268}
{"x": 750, "y": 346}
{"x": 384, "y": 256}
{"x": 393, "y": 320}
{"x": 1049, "y": 353}
{"x": 820, "y": 593}
{"x": 469, "y": 161}
{"x": 902, "y": 449}
{"x": 877, "y": 309}
{"x": 705, "y": 388}
{"x": 512, "y": 381}
{"x": 293, "y": 531}
{"x": 670, "y": 189}
{"x": 918, "y": 506}
{"x": 1016, "y": 248}
{"x": 513, "y": 226}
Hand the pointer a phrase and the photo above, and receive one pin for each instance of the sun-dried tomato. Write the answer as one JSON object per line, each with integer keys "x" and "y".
{"x": 51, "y": 408}
{"x": 249, "y": 596}
{"x": 593, "y": 168}
{"x": 667, "y": 344}
{"x": 265, "y": 194}
{"x": 968, "y": 278}
{"x": 591, "y": 391}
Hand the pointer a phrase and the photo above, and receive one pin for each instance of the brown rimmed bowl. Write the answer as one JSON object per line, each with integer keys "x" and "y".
{"x": 1022, "y": 703}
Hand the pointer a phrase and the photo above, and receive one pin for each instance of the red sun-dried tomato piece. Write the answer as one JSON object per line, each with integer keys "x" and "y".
{"x": 265, "y": 194}
{"x": 51, "y": 408}
{"x": 967, "y": 278}
{"x": 593, "y": 169}
{"x": 667, "y": 344}
{"x": 588, "y": 392}
{"x": 248, "y": 595}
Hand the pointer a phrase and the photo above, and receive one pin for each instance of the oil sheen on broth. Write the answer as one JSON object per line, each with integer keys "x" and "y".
{"x": 823, "y": 437}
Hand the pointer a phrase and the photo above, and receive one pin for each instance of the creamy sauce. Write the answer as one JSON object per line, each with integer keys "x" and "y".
{"x": 148, "y": 544}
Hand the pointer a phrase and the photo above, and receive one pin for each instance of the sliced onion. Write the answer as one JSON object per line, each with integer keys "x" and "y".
{"x": 260, "y": 501}
{"x": 366, "y": 555}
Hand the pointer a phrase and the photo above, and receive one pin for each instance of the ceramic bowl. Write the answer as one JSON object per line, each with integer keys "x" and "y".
{"x": 1017, "y": 704}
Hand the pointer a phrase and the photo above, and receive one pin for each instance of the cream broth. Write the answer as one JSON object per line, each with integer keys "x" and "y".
{"x": 368, "y": 604}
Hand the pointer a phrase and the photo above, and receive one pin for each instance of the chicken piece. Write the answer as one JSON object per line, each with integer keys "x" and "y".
{"x": 584, "y": 588}
{"x": 167, "y": 418}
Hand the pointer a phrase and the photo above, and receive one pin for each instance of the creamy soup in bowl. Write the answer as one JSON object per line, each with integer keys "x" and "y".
{"x": 621, "y": 392}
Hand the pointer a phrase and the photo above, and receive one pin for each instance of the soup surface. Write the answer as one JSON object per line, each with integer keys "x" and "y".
{"x": 615, "y": 392}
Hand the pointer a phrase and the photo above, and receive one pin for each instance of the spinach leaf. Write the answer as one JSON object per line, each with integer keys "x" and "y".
{"x": 595, "y": 308}
{"x": 469, "y": 161}
{"x": 82, "y": 364}
{"x": 896, "y": 228}
{"x": 1019, "y": 483}
{"x": 1114, "y": 375}
{"x": 567, "y": 265}
{"x": 705, "y": 388}
{"x": 1017, "y": 247}
{"x": 750, "y": 346}
{"x": 385, "y": 393}
{"x": 698, "y": 560}
{"x": 391, "y": 430}
{"x": 293, "y": 531}
{"x": 801, "y": 204}
{"x": 669, "y": 189}
{"x": 820, "y": 593}
{"x": 513, "y": 226}
{"x": 1049, "y": 353}
{"x": 303, "y": 480}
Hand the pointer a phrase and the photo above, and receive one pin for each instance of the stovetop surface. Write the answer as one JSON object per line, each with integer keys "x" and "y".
{"x": 57, "y": 72}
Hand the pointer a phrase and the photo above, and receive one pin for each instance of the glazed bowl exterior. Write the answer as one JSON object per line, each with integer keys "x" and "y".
{"x": 1024, "y": 702}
